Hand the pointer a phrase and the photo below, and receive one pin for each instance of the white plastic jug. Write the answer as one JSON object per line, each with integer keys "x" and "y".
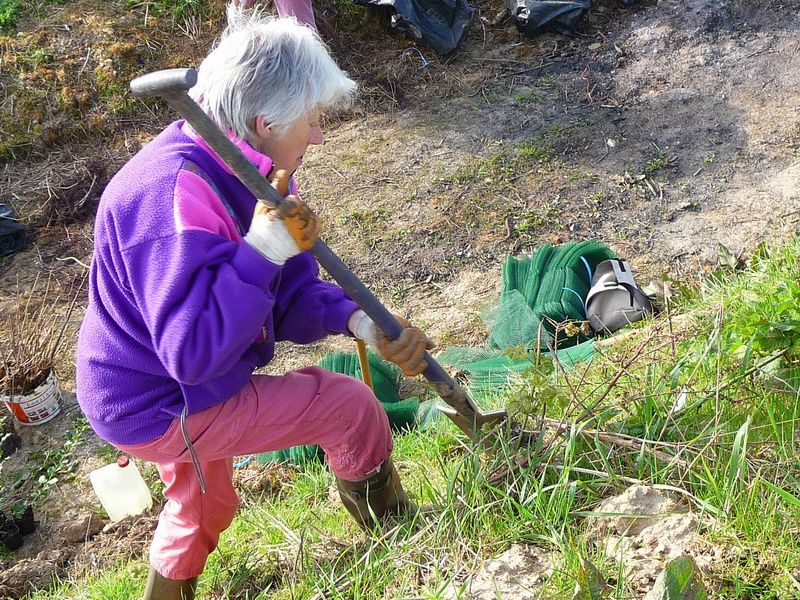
{"x": 121, "y": 489}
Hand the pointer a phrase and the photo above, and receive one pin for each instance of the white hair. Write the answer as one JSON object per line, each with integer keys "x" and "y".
{"x": 276, "y": 68}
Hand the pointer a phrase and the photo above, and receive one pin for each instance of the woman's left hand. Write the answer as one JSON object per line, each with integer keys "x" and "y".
{"x": 407, "y": 351}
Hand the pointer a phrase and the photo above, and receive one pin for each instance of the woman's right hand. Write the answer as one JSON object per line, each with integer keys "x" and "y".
{"x": 283, "y": 231}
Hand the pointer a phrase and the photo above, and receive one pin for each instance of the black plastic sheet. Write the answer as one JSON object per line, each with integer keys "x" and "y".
{"x": 531, "y": 16}
{"x": 12, "y": 236}
{"x": 440, "y": 24}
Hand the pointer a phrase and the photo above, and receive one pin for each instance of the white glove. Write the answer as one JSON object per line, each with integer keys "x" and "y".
{"x": 281, "y": 232}
{"x": 364, "y": 328}
{"x": 407, "y": 351}
{"x": 271, "y": 238}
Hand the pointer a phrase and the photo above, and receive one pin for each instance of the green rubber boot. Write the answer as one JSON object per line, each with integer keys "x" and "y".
{"x": 370, "y": 500}
{"x": 161, "y": 588}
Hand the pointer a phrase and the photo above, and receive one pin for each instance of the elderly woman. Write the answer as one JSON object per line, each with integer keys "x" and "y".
{"x": 193, "y": 282}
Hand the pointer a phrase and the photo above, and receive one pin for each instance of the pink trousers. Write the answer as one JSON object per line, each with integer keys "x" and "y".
{"x": 308, "y": 406}
{"x": 299, "y": 9}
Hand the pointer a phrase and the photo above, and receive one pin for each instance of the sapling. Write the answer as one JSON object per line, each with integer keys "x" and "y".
{"x": 32, "y": 335}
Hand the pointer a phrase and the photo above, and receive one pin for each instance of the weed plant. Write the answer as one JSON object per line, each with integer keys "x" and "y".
{"x": 34, "y": 482}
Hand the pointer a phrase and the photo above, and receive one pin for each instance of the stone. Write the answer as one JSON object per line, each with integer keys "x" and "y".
{"x": 27, "y": 576}
{"x": 518, "y": 573}
{"x": 84, "y": 527}
{"x": 631, "y": 512}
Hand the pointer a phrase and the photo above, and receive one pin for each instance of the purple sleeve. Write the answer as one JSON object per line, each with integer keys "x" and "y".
{"x": 307, "y": 309}
{"x": 203, "y": 298}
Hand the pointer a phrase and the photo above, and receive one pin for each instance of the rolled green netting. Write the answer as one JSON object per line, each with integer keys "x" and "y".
{"x": 543, "y": 292}
{"x": 512, "y": 308}
{"x": 572, "y": 355}
{"x": 296, "y": 455}
{"x": 385, "y": 375}
{"x": 540, "y": 294}
{"x": 402, "y": 414}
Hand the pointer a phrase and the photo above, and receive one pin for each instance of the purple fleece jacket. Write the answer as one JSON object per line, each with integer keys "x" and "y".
{"x": 181, "y": 309}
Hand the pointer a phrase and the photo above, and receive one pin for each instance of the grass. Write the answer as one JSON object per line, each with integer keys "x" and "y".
{"x": 711, "y": 398}
{"x": 536, "y": 150}
{"x": 657, "y": 162}
{"x": 368, "y": 223}
{"x": 501, "y": 167}
{"x": 57, "y": 94}
{"x": 179, "y": 9}
{"x": 496, "y": 168}
{"x": 9, "y": 10}
{"x": 545, "y": 214}
{"x": 511, "y": 162}
{"x": 529, "y": 97}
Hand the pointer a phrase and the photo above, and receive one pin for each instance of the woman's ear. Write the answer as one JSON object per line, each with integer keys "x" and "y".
{"x": 263, "y": 129}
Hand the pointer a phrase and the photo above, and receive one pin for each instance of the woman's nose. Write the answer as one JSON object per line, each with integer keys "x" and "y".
{"x": 316, "y": 137}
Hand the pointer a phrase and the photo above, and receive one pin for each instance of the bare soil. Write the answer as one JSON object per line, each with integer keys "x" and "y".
{"x": 663, "y": 129}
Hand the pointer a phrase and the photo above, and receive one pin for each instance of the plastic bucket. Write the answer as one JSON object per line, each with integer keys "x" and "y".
{"x": 38, "y": 407}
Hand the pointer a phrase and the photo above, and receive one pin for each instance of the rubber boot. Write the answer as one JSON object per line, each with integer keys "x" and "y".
{"x": 161, "y": 588}
{"x": 378, "y": 496}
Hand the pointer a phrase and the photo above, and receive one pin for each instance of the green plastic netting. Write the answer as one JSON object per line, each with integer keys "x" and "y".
{"x": 544, "y": 292}
{"x": 402, "y": 414}
{"x": 541, "y": 294}
{"x": 489, "y": 372}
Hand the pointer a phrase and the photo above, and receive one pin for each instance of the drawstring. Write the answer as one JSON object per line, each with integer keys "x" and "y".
{"x": 578, "y": 296}
{"x": 588, "y": 268}
{"x": 190, "y": 448}
{"x": 407, "y": 51}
